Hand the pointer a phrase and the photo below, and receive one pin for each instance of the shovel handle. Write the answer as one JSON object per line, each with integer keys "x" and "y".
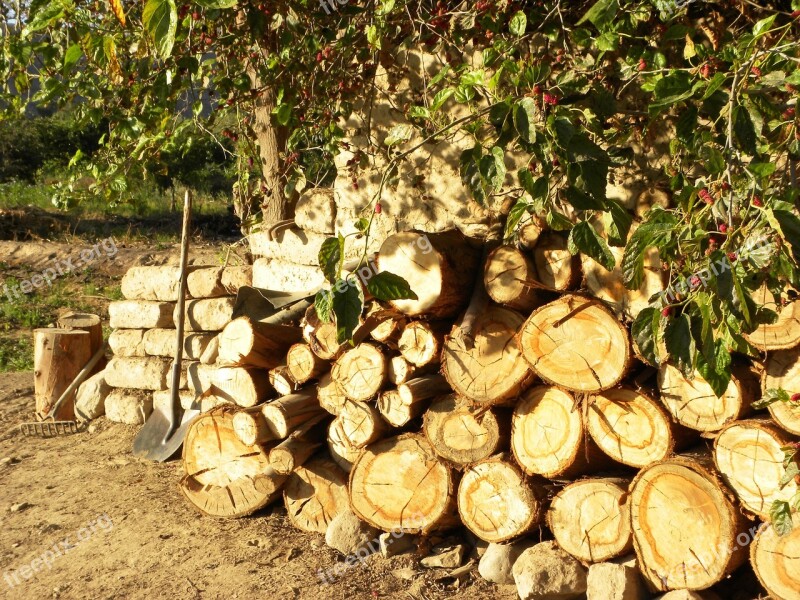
{"x": 179, "y": 326}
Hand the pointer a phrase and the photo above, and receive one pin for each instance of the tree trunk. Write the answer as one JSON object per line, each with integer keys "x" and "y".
{"x": 590, "y": 519}
{"x": 776, "y": 560}
{"x": 249, "y": 343}
{"x": 410, "y": 399}
{"x": 398, "y": 483}
{"x": 360, "y": 372}
{"x": 462, "y": 434}
{"x": 633, "y": 429}
{"x": 58, "y": 357}
{"x": 93, "y": 326}
{"x": 750, "y": 458}
{"x": 782, "y": 370}
{"x": 315, "y": 493}
{"x": 271, "y": 142}
{"x": 684, "y": 525}
{"x": 224, "y": 477}
{"x": 421, "y": 342}
{"x": 496, "y": 503}
{"x": 576, "y": 343}
{"x": 547, "y": 436}
{"x": 693, "y": 403}
{"x": 509, "y": 277}
{"x": 486, "y": 366}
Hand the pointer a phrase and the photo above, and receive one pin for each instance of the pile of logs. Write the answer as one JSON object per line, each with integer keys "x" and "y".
{"x": 508, "y": 399}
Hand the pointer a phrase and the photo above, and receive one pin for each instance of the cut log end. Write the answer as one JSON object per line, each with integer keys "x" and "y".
{"x": 776, "y": 560}
{"x": 556, "y": 267}
{"x": 508, "y": 276}
{"x": 782, "y": 370}
{"x": 461, "y": 434}
{"x": 315, "y": 493}
{"x": 303, "y": 364}
{"x": 360, "y": 372}
{"x": 421, "y": 343}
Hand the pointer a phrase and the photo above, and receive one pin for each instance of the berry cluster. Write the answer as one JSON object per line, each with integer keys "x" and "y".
{"x": 706, "y": 196}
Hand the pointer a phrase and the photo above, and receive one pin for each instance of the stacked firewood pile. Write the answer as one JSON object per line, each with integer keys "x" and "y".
{"x": 508, "y": 398}
{"x": 143, "y": 340}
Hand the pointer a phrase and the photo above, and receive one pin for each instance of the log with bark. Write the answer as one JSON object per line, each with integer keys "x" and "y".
{"x": 410, "y": 399}
{"x": 556, "y": 267}
{"x": 509, "y": 277}
{"x": 782, "y": 371}
{"x": 776, "y": 560}
{"x": 329, "y": 395}
{"x": 590, "y": 519}
{"x": 286, "y": 414}
{"x": 439, "y": 267}
{"x": 361, "y": 423}
{"x": 399, "y": 370}
{"x": 224, "y": 477}
{"x": 251, "y": 427}
{"x": 496, "y": 503}
{"x": 421, "y": 342}
{"x": 342, "y": 452}
{"x": 398, "y": 483}
{"x": 547, "y": 435}
{"x": 207, "y": 314}
{"x": 749, "y": 455}
{"x": 315, "y": 493}
{"x": 387, "y": 332}
{"x": 245, "y": 386}
{"x": 281, "y": 380}
{"x": 58, "y": 356}
{"x": 576, "y": 343}
{"x": 632, "y": 428}
{"x": 360, "y": 372}
{"x": 684, "y": 525}
{"x": 784, "y": 333}
{"x": 486, "y": 367}
{"x": 694, "y": 404}
{"x": 244, "y": 342}
{"x": 463, "y": 434}
{"x": 296, "y": 449}
{"x": 304, "y": 365}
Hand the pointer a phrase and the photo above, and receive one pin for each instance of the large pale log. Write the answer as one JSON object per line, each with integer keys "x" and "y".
{"x": 162, "y": 342}
{"x": 590, "y": 519}
{"x": 213, "y": 282}
{"x": 439, "y": 267}
{"x": 461, "y": 433}
{"x": 556, "y": 267}
{"x": 250, "y": 426}
{"x": 151, "y": 373}
{"x": 208, "y": 314}
{"x": 609, "y": 286}
{"x": 127, "y": 342}
{"x": 247, "y": 342}
{"x": 421, "y": 342}
{"x": 330, "y": 396}
{"x": 361, "y": 423}
{"x": 342, "y": 452}
{"x": 486, "y": 367}
{"x": 304, "y": 365}
{"x": 693, "y": 403}
{"x": 495, "y": 501}
{"x": 782, "y": 371}
{"x": 152, "y": 283}
{"x": 211, "y": 353}
{"x": 244, "y": 386}
{"x": 684, "y": 525}
{"x": 776, "y": 560}
{"x": 750, "y": 458}
{"x": 58, "y": 356}
{"x": 398, "y": 483}
{"x": 632, "y": 428}
{"x": 410, "y": 399}
{"x": 576, "y": 343}
{"x": 285, "y": 414}
{"x": 224, "y": 477}
{"x": 315, "y": 493}
{"x": 296, "y": 449}
{"x": 547, "y": 436}
{"x": 360, "y": 372}
{"x": 140, "y": 314}
{"x": 89, "y": 323}
{"x": 509, "y": 277}
{"x": 131, "y": 407}
{"x": 785, "y": 332}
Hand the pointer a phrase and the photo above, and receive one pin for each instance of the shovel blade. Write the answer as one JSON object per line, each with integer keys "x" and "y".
{"x": 160, "y": 439}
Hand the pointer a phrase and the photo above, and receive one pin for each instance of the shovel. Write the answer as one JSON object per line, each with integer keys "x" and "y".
{"x": 162, "y": 434}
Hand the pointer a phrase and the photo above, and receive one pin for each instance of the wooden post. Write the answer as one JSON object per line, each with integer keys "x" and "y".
{"x": 58, "y": 357}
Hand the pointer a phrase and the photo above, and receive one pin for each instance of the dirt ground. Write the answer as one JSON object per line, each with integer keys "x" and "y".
{"x": 135, "y": 536}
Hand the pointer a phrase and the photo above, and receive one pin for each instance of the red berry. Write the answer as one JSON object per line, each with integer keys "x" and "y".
{"x": 706, "y": 70}
{"x": 795, "y": 397}
{"x": 378, "y": 207}
{"x": 694, "y": 280}
{"x": 642, "y": 64}
{"x": 319, "y": 56}
{"x": 537, "y": 89}
{"x": 755, "y": 71}
{"x": 732, "y": 256}
{"x": 666, "y": 311}
{"x": 723, "y": 228}
{"x": 550, "y": 99}
{"x": 788, "y": 114}
{"x": 556, "y": 162}
{"x": 726, "y": 186}
{"x": 532, "y": 167}
{"x": 757, "y": 201}
{"x": 795, "y": 14}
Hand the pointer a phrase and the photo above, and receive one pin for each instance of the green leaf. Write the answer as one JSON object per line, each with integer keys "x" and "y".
{"x": 580, "y": 200}
{"x": 651, "y": 233}
{"x": 524, "y": 116}
{"x": 771, "y": 396}
{"x": 519, "y": 210}
{"x": 331, "y": 257}
{"x": 718, "y": 372}
{"x": 348, "y": 302}
{"x": 388, "y": 286}
{"x": 419, "y": 112}
{"x": 160, "y": 19}
{"x": 780, "y": 515}
{"x": 469, "y": 167}
{"x": 441, "y": 97}
{"x": 536, "y": 188}
{"x": 644, "y": 331}
{"x": 518, "y": 24}
{"x": 323, "y": 305}
{"x": 762, "y": 169}
{"x": 672, "y": 89}
{"x": 583, "y": 238}
{"x": 493, "y": 168}
{"x": 71, "y": 57}
{"x": 399, "y": 134}
{"x": 791, "y": 472}
{"x": 373, "y": 36}
{"x": 216, "y": 3}
{"x": 764, "y": 25}
{"x": 789, "y": 227}
{"x": 679, "y": 343}
{"x": 46, "y": 16}
{"x": 618, "y": 224}
{"x": 601, "y": 14}
{"x": 714, "y": 84}
{"x": 744, "y": 130}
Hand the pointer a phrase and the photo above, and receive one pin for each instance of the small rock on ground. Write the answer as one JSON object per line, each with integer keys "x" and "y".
{"x": 545, "y": 572}
{"x": 348, "y": 534}
{"x": 498, "y": 559}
